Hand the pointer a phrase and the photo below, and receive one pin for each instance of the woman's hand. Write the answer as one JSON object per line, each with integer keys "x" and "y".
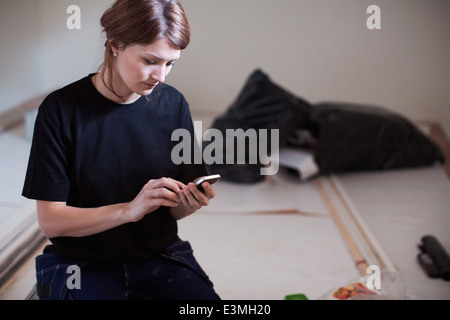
{"x": 182, "y": 199}
{"x": 154, "y": 194}
{"x": 192, "y": 199}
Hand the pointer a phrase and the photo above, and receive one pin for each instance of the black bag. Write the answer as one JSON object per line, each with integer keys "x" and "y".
{"x": 353, "y": 137}
{"x": 261, "y": 104}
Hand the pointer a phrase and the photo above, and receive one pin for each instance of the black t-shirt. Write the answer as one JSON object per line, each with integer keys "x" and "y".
{"x": 89, "y": 152}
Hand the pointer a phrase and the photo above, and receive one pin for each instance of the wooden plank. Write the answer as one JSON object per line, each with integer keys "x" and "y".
{"x": 353, "y": 246}
{"x": 438, "y": 135}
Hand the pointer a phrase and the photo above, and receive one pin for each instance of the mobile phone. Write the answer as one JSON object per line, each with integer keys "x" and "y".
{"x": 211, "y": 179}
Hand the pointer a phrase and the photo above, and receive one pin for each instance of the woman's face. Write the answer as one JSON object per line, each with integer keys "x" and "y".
{"x": 141, "y": 67}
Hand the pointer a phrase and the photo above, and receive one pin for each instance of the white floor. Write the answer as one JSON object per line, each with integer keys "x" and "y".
{"x": 401, "y": 207}
{"x": 268, "y": 255}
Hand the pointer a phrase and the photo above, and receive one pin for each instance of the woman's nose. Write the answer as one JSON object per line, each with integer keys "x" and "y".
{"x": 159, "y": 74}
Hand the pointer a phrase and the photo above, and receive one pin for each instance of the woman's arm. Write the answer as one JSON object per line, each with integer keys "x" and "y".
{"x": 57, "y": 219}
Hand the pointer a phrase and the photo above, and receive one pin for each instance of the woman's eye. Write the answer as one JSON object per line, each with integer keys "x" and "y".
{"x": 149, "y": 61}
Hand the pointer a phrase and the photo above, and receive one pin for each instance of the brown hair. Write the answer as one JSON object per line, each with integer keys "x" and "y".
{"x": 142, "y": 22}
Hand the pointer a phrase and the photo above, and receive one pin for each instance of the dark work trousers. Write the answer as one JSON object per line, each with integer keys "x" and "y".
{"x": 172, "y": 275}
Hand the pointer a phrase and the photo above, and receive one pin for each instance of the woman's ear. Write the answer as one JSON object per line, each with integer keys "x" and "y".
{"x": 114, "y": 51}
{"x": 113, "y": 46}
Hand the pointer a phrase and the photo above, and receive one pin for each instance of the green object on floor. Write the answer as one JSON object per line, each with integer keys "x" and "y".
{"x": 298, "y": 296}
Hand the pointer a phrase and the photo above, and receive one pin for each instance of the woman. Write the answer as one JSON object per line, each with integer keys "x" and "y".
{"x": 108, "y": 194}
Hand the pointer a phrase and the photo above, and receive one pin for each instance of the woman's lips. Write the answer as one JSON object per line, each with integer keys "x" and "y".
{"x": 150, "y": 86}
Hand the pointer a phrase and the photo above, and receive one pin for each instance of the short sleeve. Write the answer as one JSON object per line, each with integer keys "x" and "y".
{"x": 47, "y": 175}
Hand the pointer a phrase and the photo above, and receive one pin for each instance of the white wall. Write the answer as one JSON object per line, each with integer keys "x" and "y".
{"x": 69, "y": 54}
{"x": 20, "y": 52}
{"x": 319, "y": 50}
{"x": 322, "y": 50}
{"x": 39, "y": 53}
